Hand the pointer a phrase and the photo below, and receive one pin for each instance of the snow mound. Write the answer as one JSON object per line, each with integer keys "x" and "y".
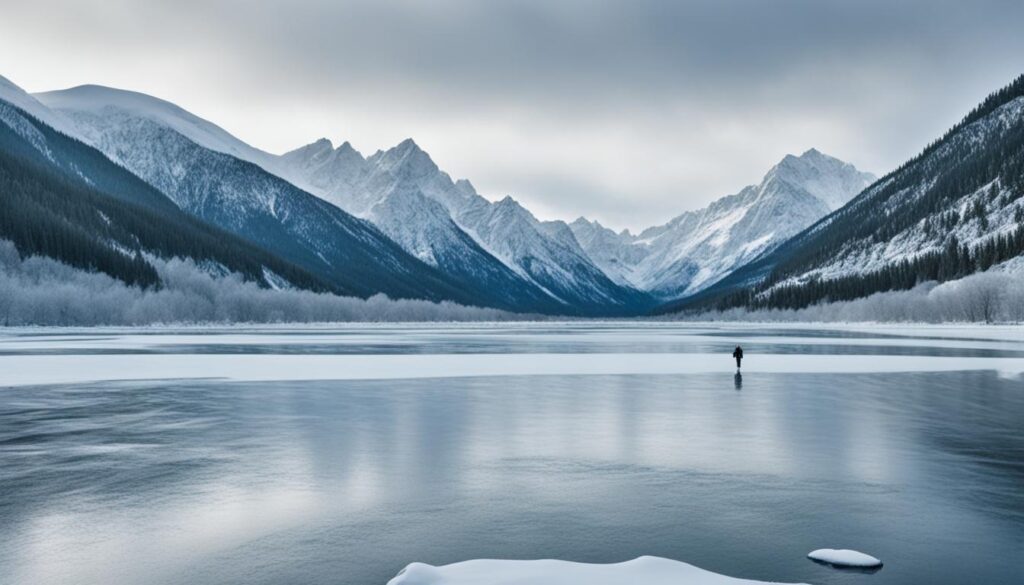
{"x": 844, "y": 558}
{"x": 642, "y": 570}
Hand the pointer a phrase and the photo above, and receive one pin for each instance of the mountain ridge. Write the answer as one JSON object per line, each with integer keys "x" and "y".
{"x": 696, "y": 248}
{"x": 243, "y": 198}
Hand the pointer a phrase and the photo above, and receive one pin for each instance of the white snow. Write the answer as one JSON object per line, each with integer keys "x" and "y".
{"x": 844, "y": 558}
{"x": 639, "y": 571}
{"x": 1009, "y": 338}
{"x": 26, "y": 370}
{"x": 275, "y": 280}
{"x": 14, "y": 95}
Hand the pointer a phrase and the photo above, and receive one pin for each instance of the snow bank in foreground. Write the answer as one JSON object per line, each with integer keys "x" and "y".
{"x": 639, "y": 571}
{"x": 844, "y": 558}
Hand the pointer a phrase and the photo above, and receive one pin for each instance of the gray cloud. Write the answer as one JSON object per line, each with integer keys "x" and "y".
{"x": 628, "y": 111}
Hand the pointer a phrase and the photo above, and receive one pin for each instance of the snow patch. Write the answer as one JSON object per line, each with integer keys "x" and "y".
{"x": 844, "y": 558}
{"x": 640, "y": 571}
{"x": 275, "y": 281}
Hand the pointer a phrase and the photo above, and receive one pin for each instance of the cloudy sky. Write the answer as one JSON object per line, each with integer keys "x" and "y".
{"x": 628, "y": 112}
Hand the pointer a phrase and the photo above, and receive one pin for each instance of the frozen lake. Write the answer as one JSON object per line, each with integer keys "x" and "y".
{"x": 339, "y": 455}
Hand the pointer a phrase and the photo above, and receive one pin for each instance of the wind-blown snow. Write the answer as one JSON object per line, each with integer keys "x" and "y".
{"x": 97, "y": 99}
{"x": 844, "y": 558}
{"x": 639, "y": 571}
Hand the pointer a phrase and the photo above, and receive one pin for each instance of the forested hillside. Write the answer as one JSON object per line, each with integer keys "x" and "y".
{"x": 953, "y": 210}
{"x": 63, "y": 199}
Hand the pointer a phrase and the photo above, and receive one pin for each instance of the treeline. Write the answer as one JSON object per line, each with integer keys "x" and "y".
{"x": 42, "y": 291}
{"x": 955, "y": 261}
{"x": 987, "y": 297}
{"x": 48, "y": 211}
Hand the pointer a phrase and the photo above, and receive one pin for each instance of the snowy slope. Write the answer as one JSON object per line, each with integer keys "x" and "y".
{"x": 424, "y": 228}
{"x": 999, "y": 201}
{"x": 557, "y": 265}
{"x": 19, "y": 98}
{"x": 697, "y": 248}
{"x": 146, "y": 136}
{"x": 97, "y": 100}
{"x": 331, "y": 173}
{"x": 387, "y": 190}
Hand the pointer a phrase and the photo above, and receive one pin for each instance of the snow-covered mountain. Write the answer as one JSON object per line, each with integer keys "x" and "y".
{"x": 171, "y": 150}
{"x": 404, "y": 182}
{"x": 697, "y": 248}
{"x": 98, "y": 100}
{"x": 65, "y": 200}
{"x": 955, "y": 209}
{"x": 387, "y": 189}
{"x": 494, "y": 251}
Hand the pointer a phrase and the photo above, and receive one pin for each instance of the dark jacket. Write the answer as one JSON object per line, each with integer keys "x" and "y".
{"x": 738, "y": 353}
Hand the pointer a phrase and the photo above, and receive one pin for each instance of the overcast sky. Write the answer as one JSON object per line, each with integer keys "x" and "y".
{"x": 628, "y": 112}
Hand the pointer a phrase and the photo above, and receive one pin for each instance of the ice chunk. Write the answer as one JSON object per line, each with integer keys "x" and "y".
{"x": 639, "y": 571}
{"x": 844, "y": 558}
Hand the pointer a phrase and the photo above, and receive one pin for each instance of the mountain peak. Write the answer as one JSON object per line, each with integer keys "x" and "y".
{"x": 464, "y": 186}
{"x": 96, "y": 97}
{"x": 313, "y": 150}
{"x": 812, "y": 160}
{"x": 507, "y": 202}
{"x": 408, "y": 145}
{"x": 829, "y": 179}
{"x": 406, "y": 161}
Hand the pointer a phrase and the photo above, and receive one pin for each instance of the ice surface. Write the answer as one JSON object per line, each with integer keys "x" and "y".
{"x": 56, "y": 356}
{"x": 639, "y": 571}
{"x": 844, "y": 558}
{"x": 21, "y": 339}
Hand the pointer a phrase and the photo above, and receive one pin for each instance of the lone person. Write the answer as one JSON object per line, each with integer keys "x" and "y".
{"x": 738, "y": 354}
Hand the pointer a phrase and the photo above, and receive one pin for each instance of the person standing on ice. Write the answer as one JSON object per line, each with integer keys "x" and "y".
{"x": 738, "y": 354}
